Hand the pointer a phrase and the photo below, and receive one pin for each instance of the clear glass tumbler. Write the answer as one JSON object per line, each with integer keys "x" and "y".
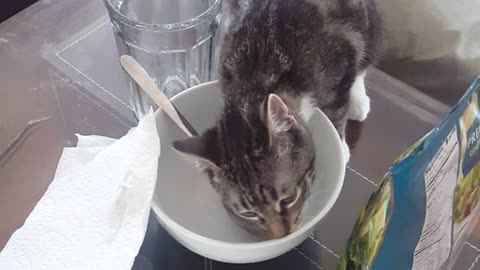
{"x": 171, "y": 39}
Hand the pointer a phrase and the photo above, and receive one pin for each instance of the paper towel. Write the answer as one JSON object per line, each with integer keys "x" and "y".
{"x": 94, "y": 214}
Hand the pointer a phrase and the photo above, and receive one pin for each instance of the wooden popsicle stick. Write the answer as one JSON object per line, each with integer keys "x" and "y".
{"x": 145, "y": 82}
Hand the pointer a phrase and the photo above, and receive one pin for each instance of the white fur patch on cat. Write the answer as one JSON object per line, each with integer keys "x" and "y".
{"x": 359, "y": 101}
{"x": 307, "y": 107}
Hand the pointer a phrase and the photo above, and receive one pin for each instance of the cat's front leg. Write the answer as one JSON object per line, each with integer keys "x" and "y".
{"x": 359, "y": 101}
{"x": 346, "y": 150}
{"x": 342, "y": 133}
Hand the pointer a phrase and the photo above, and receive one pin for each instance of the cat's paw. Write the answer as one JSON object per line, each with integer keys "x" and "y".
{"x": 346, "y": 151}
{"x": 359, "y": 108}
{"x": 359, "y": 101}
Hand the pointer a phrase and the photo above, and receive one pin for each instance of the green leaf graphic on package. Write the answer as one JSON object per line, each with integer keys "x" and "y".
{"x": 368, "y": 231}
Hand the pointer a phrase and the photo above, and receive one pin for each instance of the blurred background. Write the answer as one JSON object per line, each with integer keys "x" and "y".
{"x": 432, "y": 45}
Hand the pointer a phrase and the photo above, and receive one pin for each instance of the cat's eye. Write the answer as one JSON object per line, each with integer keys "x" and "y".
{"x": 249, "y": 215}
{"x": 290, "y": 201}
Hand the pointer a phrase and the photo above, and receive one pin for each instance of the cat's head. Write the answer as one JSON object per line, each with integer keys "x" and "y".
{"x": 260, "y": 159}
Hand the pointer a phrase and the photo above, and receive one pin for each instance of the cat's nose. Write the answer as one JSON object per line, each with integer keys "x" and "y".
{"x": 278, "y": 230}
{"x": 293, "y": 221}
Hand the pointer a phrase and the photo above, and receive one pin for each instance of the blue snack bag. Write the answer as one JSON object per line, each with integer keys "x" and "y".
{"x": 427, "y": 203}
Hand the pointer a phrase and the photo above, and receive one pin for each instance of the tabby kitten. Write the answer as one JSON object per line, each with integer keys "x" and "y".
{"x": 279, "y": 59}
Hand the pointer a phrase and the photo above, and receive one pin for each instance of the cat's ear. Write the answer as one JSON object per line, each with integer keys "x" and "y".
{"x": 197, "y": 150}
{"x": 280, "y": 118}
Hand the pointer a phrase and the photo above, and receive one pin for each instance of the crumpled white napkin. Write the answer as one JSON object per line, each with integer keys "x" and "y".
{"x": 94, "y": 214}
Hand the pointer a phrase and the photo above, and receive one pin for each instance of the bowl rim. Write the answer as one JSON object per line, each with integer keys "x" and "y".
{"x": 264, "y": 243}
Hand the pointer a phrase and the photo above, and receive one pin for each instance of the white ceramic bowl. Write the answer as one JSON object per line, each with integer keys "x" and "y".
{"x": 191, "y": 211}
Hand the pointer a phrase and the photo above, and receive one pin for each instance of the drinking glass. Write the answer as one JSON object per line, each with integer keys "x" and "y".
{"x": 171, "y": 39}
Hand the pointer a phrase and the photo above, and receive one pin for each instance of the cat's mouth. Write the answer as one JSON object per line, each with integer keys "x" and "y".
{"x": 282, "y": 228}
